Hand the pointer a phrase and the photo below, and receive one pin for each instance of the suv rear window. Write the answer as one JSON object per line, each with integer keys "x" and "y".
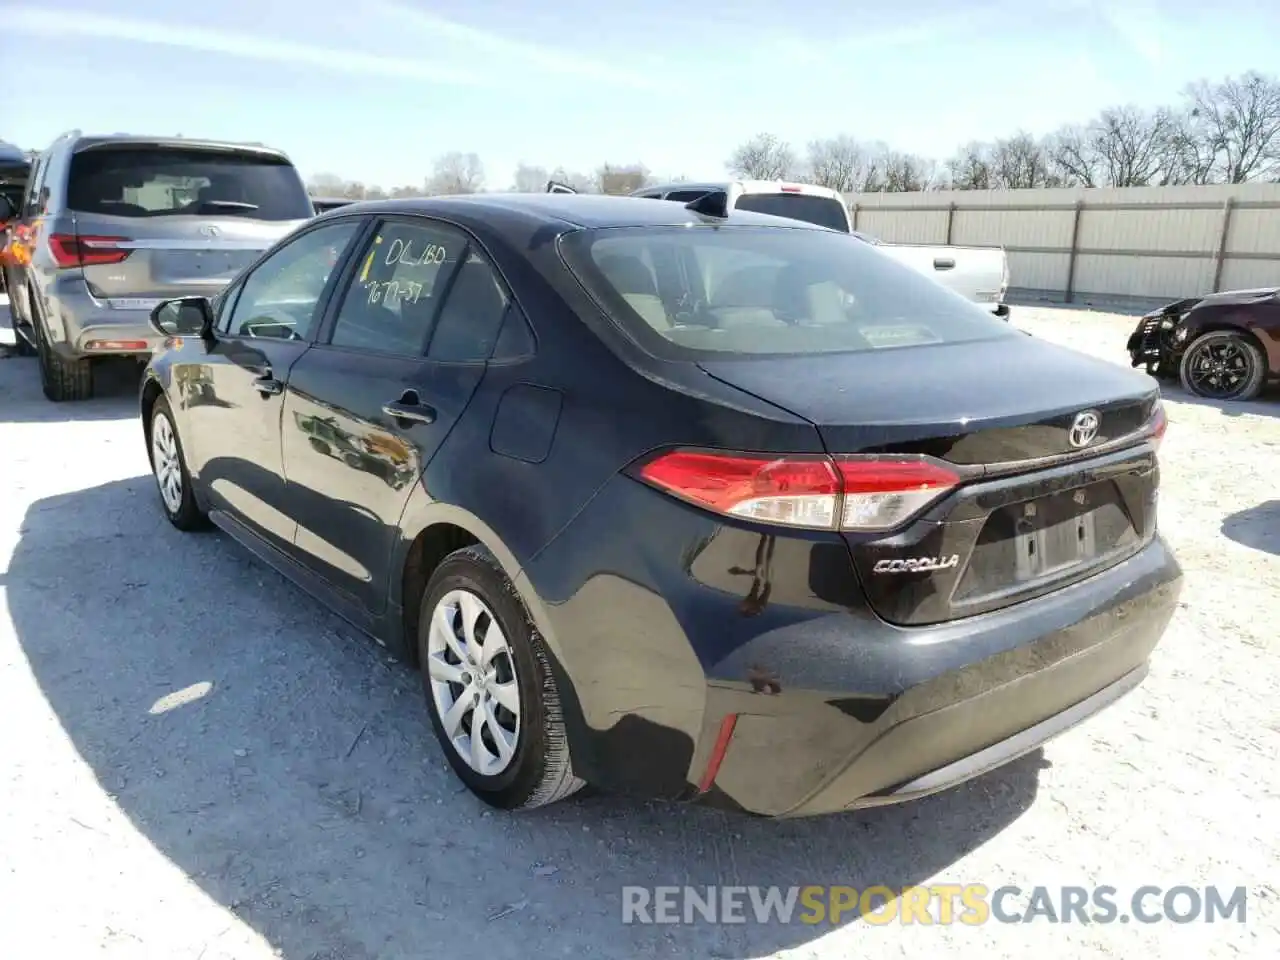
{"x": 820, "y": 211}
{"x": 176, "y": 181}
{"x": 687, "y": 292}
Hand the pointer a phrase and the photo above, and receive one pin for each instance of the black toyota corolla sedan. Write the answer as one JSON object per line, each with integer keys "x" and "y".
{"x": 695, "y": 504}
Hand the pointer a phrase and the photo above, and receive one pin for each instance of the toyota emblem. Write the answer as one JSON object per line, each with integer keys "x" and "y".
{"x": 1084, "y": 428}
{"x": 209, "y": 231}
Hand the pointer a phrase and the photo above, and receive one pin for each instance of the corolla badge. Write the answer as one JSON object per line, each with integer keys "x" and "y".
{"x": 1084, "y": 428}
{"x": 917, "y": 564}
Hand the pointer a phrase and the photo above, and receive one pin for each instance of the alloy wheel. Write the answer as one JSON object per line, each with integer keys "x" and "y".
{"x": 472, "y": 678}
{"x": 1219, "y": 369}
{"x": 167, "y": 464}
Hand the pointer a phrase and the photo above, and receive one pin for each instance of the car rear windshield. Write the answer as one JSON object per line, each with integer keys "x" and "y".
{"x": 691, "y": 291}
{"x": 176, "y": 181}
{"x": 821, "y": 211}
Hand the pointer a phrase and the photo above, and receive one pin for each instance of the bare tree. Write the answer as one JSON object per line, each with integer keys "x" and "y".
{"x": 1072, "y": 157}
{"x": 1020, "y": 163}
{"x": 970, "y": 169}
{"x": 840, "y": 163}
{"x": 763, "y": 157}
{"x": 529, "y": 178}
{"x": 1239, "y": 119}
{"x": 621, "y": 179}
{"x": 456, "y": 172}
{"x": 1131, "y": 145}
{"x": 1188, "y": 156}
{"x": 907, "y": 172}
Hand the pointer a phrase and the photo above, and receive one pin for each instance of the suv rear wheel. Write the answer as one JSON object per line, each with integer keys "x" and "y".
{"x": 60, "y": 379}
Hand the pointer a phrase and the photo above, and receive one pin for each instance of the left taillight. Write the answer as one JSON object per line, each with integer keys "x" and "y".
{"x": 73, "y": 250}
{"x": 855, "y": 493}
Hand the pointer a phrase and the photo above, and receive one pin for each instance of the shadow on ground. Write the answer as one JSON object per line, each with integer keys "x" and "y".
{"x": 302, "y": 788}
{"x": 1267, "y": 404}
{"x": 115, "y": 383}
{"x": 1258, "y": 527}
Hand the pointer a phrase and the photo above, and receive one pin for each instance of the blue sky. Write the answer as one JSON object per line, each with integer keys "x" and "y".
{"x": 375, "y": 90}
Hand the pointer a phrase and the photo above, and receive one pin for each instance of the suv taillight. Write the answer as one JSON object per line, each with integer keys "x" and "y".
{"x": 70, "y": 250}
{"x": 858, "y": 493}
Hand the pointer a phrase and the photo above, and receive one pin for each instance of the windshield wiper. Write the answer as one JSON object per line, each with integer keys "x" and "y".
{"x": 229, "y": 205}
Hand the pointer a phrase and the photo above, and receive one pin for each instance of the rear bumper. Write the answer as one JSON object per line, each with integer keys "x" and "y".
{"x": 82, "y": 326}
{"x": 1049, "y": 664}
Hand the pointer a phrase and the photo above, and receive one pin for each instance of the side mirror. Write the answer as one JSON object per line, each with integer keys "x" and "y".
{"x": 7, "y": 210}
{"x": 184, "y": 317}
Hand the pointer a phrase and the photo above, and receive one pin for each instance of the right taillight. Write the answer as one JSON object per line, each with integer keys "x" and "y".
{"x": 72, "y": 250}
{"x": 857, "y": 493}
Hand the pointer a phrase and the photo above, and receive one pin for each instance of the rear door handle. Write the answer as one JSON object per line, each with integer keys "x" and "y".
{"x": 943, "y": 263}
{"x": 267, "y": 385}
{"x": 409, "y": 408}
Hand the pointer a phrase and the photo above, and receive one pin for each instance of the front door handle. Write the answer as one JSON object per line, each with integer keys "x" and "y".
{"x": 267, "y": 385}
{"x": 409, "y": 408}
{"x": 941, "y": 263}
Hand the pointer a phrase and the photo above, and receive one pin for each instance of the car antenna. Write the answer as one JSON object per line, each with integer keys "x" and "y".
{"x": 713, "y": 204}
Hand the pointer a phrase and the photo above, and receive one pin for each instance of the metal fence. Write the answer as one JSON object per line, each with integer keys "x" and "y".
{"x": 1141, "y": 244}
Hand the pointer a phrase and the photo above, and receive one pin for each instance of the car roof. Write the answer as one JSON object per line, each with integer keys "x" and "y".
{"x": 11, "y": 154}
{"x": 587, "y": 210}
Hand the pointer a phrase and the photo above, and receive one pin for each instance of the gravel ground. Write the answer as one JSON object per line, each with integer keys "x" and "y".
{"x": 299, "y": 807}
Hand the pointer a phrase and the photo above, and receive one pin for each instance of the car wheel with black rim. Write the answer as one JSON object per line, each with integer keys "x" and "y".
{"x": 1223, "y": 365}
{"x": 169, "y": 466}
{"x": 493, "y": 699}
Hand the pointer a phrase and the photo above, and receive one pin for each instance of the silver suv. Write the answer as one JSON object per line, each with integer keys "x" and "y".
{"x": 110, "y": 226}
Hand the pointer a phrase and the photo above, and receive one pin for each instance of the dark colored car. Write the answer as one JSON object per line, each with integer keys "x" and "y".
{"x": 1224, "y": 346}
{"x": 830, "y": 540}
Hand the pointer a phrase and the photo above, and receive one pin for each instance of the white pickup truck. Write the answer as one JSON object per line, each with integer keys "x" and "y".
{"x": 979, "y": 274}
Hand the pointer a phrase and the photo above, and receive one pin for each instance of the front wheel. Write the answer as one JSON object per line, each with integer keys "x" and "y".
{"x": 1223, "y": 365}
{"x": 169, "y": 465}
{"x": 493, "y": 700}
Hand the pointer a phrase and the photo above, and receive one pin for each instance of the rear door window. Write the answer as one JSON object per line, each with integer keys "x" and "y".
{"x": 141, "y": 181}
{"x": 393, "y": 299}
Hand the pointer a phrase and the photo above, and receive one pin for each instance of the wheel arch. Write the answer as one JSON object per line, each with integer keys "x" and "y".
{"x": 429, "y": 532}
{"x": 150, "y": 393}
{"x": 1226, "y": 324}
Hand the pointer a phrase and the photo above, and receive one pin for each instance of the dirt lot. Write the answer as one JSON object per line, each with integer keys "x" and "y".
{"x": 300, "y": 808}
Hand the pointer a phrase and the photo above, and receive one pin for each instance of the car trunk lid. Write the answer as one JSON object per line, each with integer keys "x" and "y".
{"x": 1053, "y": 479}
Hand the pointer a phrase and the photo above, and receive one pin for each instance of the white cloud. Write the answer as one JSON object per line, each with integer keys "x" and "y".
{"x": 429, "y": 67}
{"x": 536, "y": 56}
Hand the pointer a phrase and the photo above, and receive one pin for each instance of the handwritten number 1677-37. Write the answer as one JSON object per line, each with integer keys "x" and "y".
{"x": 394, "y": 291}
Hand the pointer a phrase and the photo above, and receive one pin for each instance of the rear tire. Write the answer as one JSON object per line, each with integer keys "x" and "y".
{"x": 61, "y": 379}
{"x": 1223, "y": 365}
{"x": 469, "y": 594}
